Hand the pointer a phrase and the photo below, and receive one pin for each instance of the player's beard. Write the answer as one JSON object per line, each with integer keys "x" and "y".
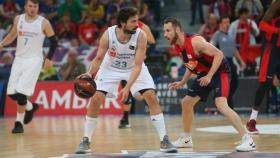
{"x": 174, "y": 40}
{"x": 126, "y": 31}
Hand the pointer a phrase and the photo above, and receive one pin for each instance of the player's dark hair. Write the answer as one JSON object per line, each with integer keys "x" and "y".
{"x": 125, "y": 14}
{"x": 33, "y": 1}
{"x": 222, "y": 18}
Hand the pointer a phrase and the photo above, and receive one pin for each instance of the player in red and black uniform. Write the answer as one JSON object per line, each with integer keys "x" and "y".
{"x": 208, "y": 62}
{"x": 270, "y": 25}
{"x": 124, "y": 122}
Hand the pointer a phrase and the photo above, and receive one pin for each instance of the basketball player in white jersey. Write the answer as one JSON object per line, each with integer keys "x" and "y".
{"x": 120, "y": 56}
{"x": 30, "y": 30}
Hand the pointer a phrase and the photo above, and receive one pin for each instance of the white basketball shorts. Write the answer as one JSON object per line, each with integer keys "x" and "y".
{"x": 108, "y": 80}
{"x": 24, "y": 75}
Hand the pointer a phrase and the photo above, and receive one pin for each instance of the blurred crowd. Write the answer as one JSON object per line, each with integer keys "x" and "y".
{"x": 79, "y": 24}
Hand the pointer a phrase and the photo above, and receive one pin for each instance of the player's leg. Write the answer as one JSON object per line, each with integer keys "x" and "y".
{"x": 221, "y": 83}
{"x": 124, "y": 122}
{"x": 233, "y": 84}
{"x": 91, "y": 121}
{"x": 185, "y": 139}
{"x": 21, "y": 100}
{"x": 145, "y": 85}
{"x": 157, "y": 119}
{"x": 270, "y": 60}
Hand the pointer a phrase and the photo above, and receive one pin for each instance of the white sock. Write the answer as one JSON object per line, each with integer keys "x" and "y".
{"x": 29, "y": 106}
{"x": 20, "y": 117}
{"x": 158, "y": 122}
{"x": 90, "y": 126}
{"x": 254, "y": 115}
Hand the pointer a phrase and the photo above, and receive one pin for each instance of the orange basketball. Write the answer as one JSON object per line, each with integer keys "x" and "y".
{"x": 84, "y": 86}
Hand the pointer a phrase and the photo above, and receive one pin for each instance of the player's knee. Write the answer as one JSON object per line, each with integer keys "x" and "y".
{"x": 21, "y": 99}
{"x": 13, "y": 97}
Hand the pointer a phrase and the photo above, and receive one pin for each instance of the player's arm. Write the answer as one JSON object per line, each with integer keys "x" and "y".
{"x": 102, "y": 49}
{"x": 268, "y": 16}
{"x": 48, "y": 30}
{"x": 11, "y": 36}
{"x": 201, "y": 46}
{"x": 150, "y": 36}
{"x": 178, "y": 84}
{"x": 140, "y": 55}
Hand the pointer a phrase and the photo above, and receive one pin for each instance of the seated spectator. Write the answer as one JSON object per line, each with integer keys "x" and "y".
{"x": 73, "y": 67}
{"x": 144, "y": 14}
{"x": 66, "y": 29}
{"x": 49, "y": 74}
{"x": 49, "y": 10}
{"x": 9, "y": 9}
{"x": 207, "y": 30}
{"x": 219, "y": 8}
{"x": 75, "y": 9}
{"x": 255, "y": 8}
{"x": 88, "y": 32}
{"x": 113, "y": 8}
{"x": 95, "y": 10}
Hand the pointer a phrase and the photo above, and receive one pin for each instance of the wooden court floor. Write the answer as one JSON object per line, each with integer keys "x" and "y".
{"x": 55, "y": 136}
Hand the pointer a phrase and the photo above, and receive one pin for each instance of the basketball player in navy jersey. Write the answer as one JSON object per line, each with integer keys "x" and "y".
{"x": 120, "y": 56}
{"x": 270, "y": 25}
{"x": 211, "y": 68}
{"x": 30, "y": 30}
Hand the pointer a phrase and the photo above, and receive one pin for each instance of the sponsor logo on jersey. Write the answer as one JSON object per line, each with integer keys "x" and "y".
{"x": 112, "y": 52}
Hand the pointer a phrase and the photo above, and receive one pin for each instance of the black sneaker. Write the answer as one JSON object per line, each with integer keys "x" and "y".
{"x": 124, "y": 124}
{"x": 166, "y": 146}
{"x": 29, "y": 114}
{"x": 18, "y": 128}
{"x": 84, "y": 146}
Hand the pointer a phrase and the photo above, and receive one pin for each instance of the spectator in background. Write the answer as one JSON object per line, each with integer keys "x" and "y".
{"x": 254, "y": 6}
{"x": 219, "y": 8}
{"x": 2, "y": 31}
{"x": 244, "y": 32}
{"x": 75, "y": 8}
{"x": 49, "y": 10}
{"x": 143, "y": 9}
{"x": 95, "y": 10}
{"x": 73, "y": 67}
{"x": 113, "y": 8}
{"x": 49, "y": 74}
{"x": 66, "y": 29}
{"x": 194, "y": 5}
{"x": 207, "y": 30}
{"x": 8, "y": 9}
{"x": 5, "y": 70}
{"x": 88, "y": 31}
{"x": 227, "y": 45}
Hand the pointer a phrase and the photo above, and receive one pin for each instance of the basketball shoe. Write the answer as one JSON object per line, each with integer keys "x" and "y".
{"x": 84, "y": 146}
{"x": 124, "y": 123}
{"x": 18, "y": 128}
{"x": 29, "y": 114}
{"x": 166, "y": 146}
{"x": 251, "y": 127}
{"x": 183, "y": 142}
{"x": 247, "y": 144}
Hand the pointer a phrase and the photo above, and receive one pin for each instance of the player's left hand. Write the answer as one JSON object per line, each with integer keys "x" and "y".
{"x": 205, "y": 80}
{"x": 47, "y": 64}
{"x": 124, "y": 94}
{"x": 242, "y": 66}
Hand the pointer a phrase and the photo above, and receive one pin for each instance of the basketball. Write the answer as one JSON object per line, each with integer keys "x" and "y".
{"x": 84, "y": 86}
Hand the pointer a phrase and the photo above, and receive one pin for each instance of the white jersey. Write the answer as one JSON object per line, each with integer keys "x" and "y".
{"x": 120, "y": 56}
{"x": 30, "y": 37}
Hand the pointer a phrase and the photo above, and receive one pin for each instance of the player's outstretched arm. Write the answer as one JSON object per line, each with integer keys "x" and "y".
{"x": 102, "y": 49}
{"x": 48, "y": 30}
{"x": 11, "y": 36}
